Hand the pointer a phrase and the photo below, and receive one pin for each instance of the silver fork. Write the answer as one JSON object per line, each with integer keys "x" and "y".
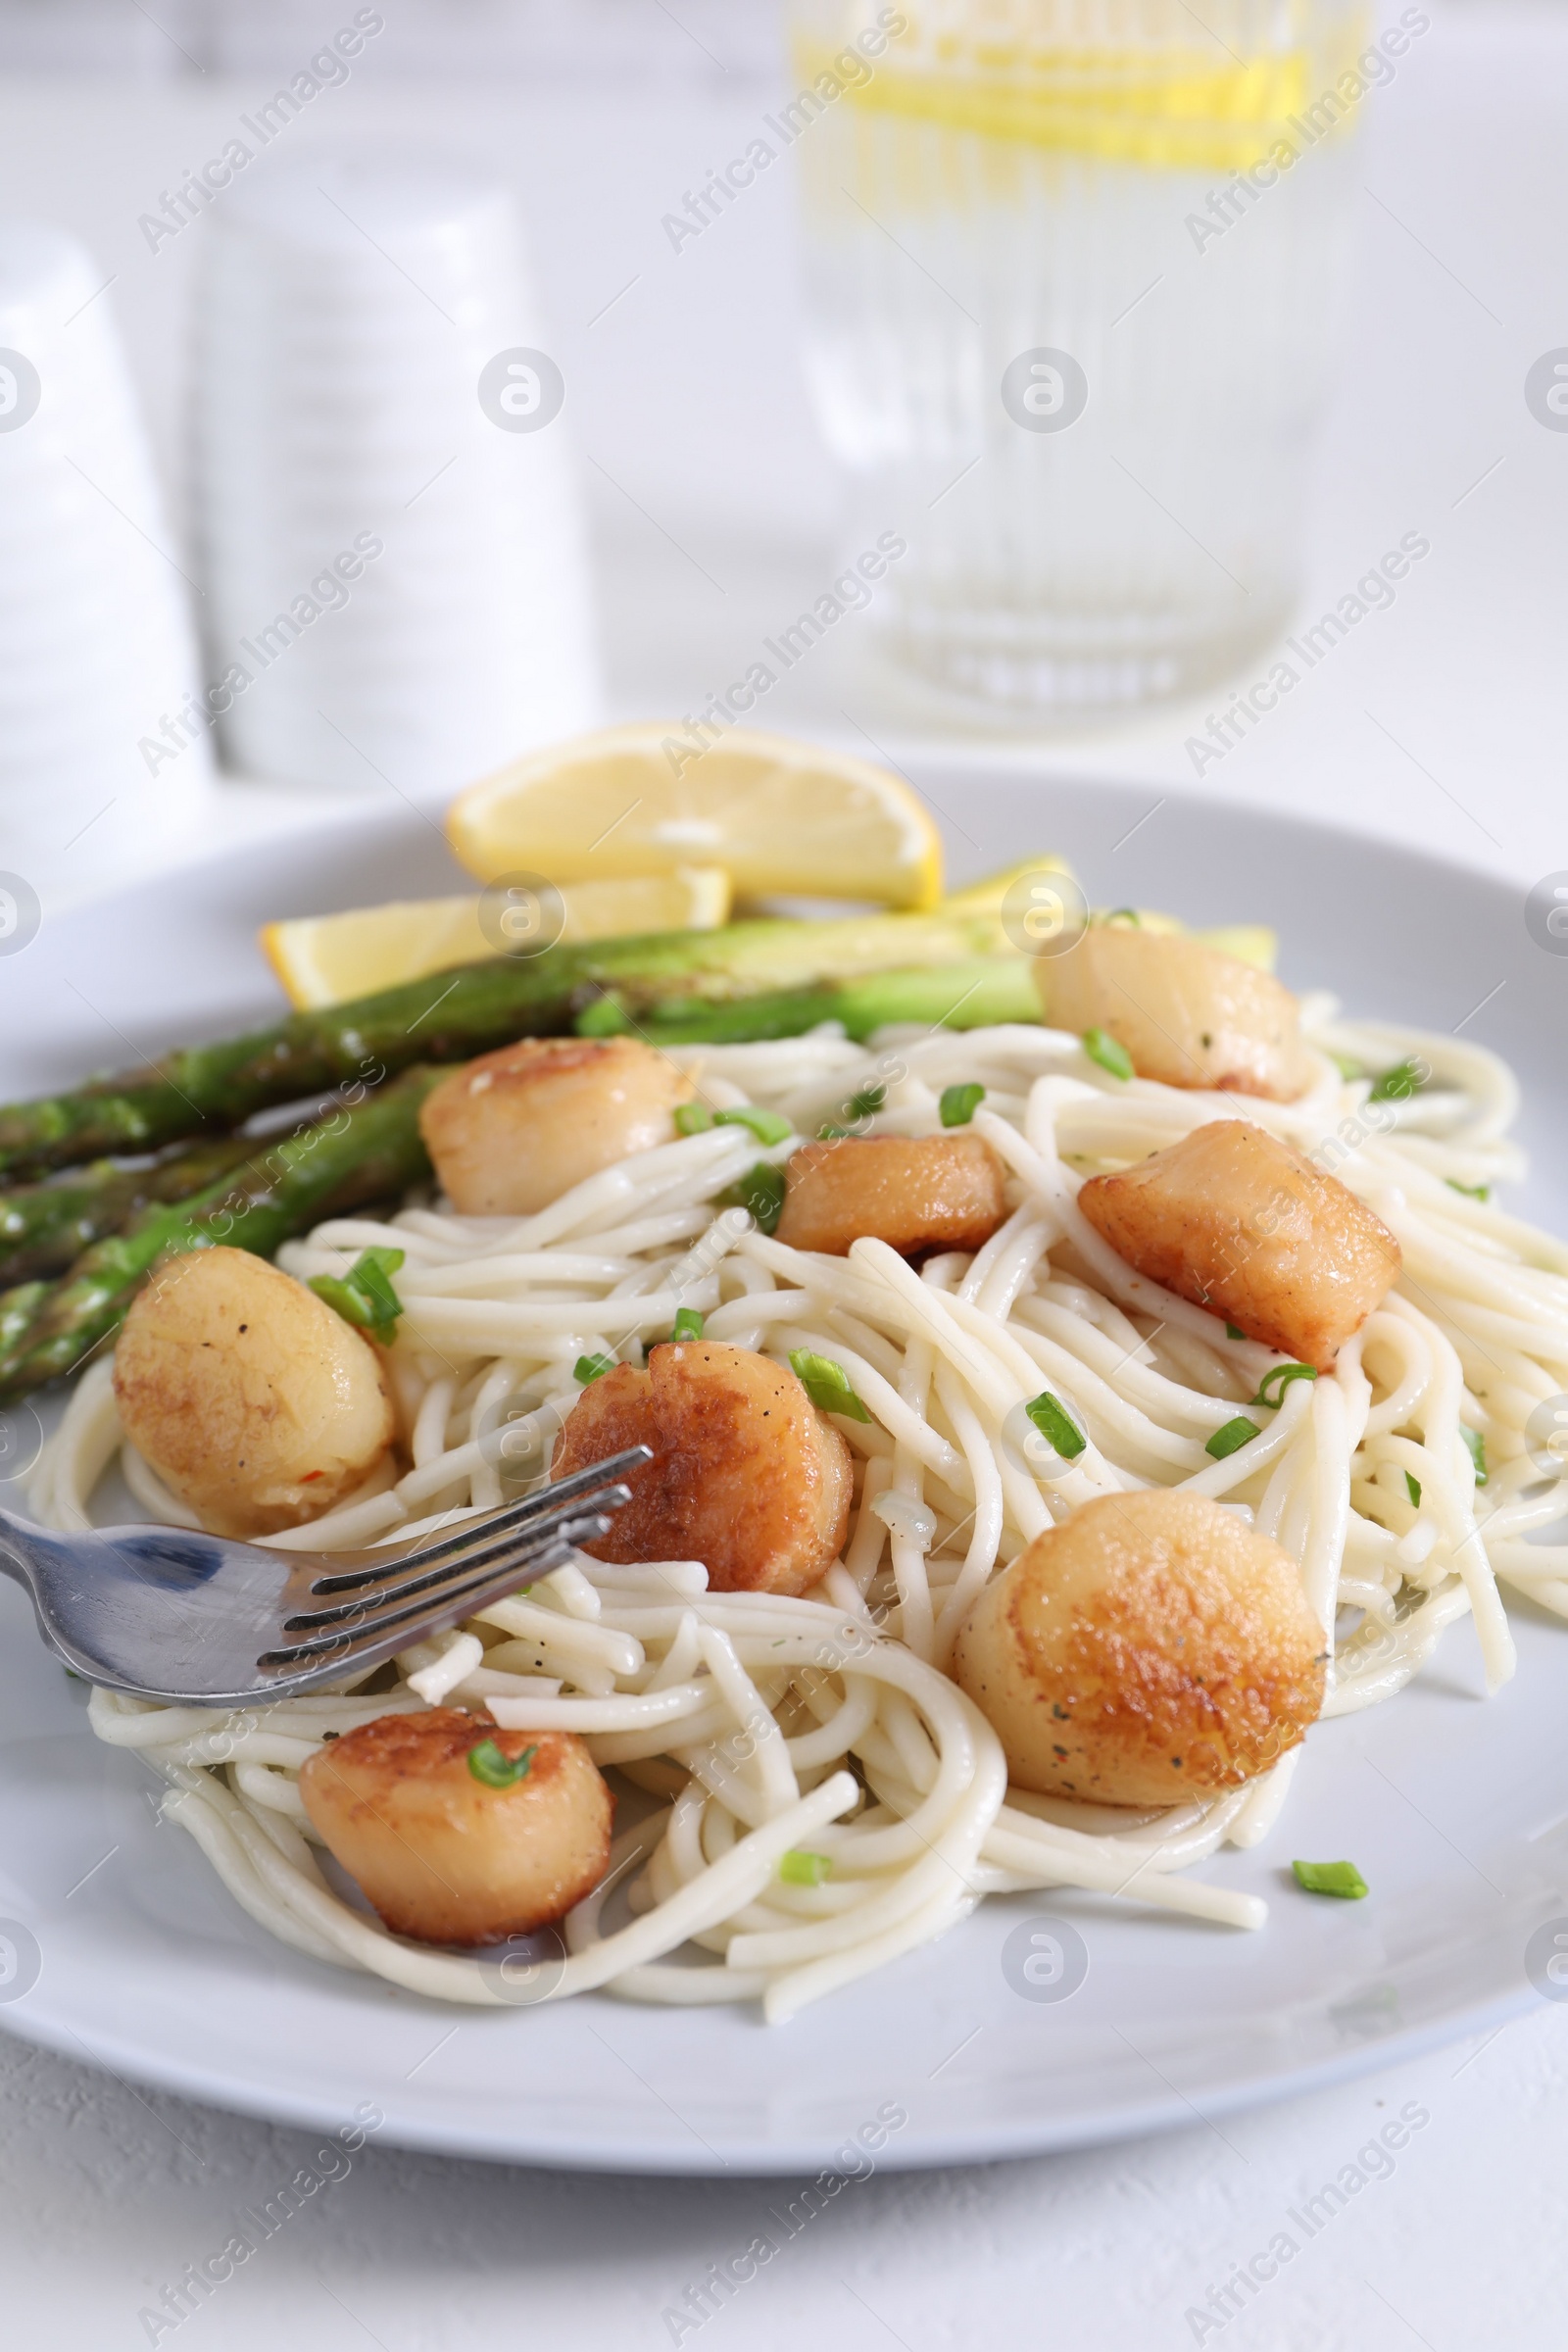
{"x": 199, "y": 1620}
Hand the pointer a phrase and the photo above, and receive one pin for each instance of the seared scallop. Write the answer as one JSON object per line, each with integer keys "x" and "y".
{"x": 256, "y": 1403}
{"x": 449, "y": 1856}
{"x": 747, "y": 1475}
{"x": 513, "y": 1131}
{"x": 1150, "y": 1650}
{"x": 1185, "y": 1012}
{"x": 1238, "y": 1222}
{"x": 932, "y": 1192}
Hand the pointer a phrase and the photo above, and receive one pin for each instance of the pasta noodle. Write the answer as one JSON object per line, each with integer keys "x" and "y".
{"x": 760, "y": 1726}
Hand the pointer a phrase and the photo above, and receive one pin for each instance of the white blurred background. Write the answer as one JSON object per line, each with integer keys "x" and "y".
{"x": 711, "y": 505}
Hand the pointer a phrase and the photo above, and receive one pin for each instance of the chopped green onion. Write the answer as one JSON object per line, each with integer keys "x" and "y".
{"x": 687, "y": 1324}
{"x": 1280, "y": 1380}
{"x": 1331, "y": 1877}
{"x": 768, "y": 1126}
{"x": 959, "y": 1103}
{"x": 827, "y": 1133}
{"x": 592, "y": 1367}
{"x": 865, "y": 1103}
{"x": 1478, "y": 1451}
{"x": 1125, "y": 915}
{"x": 342, "y": 1298}
{"x": 1056, "y": 1425}
{"x": 1406, "y": 1078}
{"x": 693, "y": 1118}
{"x": 1347, "y": 1066}
{"x": 827, "y": 1385}
{"x": 605, "y": 1016}
{"x": 365, "y": 1295}
{"x": 761, "y": 1191}
{"x": 489, "y": 1763}
{"x": 1234, "y": 1332}
{"x": 798, "y": 1868}
{"x": 1472, "y": 1192}
{"x": 373, "y": 1270}
{"x": 1231, "y": 1436}
{"x": 1412, "y": 1487}
{"x": 1111, "y": 1055}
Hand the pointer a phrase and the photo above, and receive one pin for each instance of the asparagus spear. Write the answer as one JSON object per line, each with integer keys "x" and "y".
{"x": 43, "y": 1227}
{"x": 338, "y": 1164}
{"x": 953, "y": 996}
{"x": 17, "y": 1308}
{"x": 452, "y": 1016}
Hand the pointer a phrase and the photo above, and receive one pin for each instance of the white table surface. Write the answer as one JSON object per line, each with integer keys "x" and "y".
{"x": 1440, "y": 722}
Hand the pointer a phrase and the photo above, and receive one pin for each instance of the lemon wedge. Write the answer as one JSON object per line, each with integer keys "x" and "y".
{"x": 331, "y": 959}
{"x": 782, "y": 819}
{"x": 1249, "y": 943}
{"x": 986, "y": 896}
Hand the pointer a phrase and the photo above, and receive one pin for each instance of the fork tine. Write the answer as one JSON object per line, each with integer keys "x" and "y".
{"x": 515, "y": 1545}
{"x": 543, "y": 1503}
{"x": 336, "y": 1634}
{"x": 325, "y": 1661}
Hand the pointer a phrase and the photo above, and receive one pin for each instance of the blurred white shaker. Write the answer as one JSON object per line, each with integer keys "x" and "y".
{"x": 394, "y": 555}
{"x": 101, "y": 739}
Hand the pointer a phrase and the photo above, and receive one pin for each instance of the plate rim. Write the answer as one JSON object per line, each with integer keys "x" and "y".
{"x": 972, "y": 2144}
{"x": 330, "y": 840}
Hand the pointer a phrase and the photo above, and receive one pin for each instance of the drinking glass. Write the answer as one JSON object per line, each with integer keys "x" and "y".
{"x": 1072, "y": 269}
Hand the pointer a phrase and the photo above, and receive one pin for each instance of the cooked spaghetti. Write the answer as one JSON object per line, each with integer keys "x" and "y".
{"x": 824, "y": 1729}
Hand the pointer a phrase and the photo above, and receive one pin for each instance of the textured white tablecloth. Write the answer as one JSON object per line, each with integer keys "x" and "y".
{"x": 1441, "y": 723}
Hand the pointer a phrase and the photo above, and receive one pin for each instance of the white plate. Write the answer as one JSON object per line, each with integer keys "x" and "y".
{"x": 1456, "y": 1810}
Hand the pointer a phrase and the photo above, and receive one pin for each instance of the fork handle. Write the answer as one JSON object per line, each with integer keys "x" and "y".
{"x": 15, "y": 1563}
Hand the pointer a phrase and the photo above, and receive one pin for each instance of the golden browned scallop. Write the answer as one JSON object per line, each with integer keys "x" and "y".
{"x": 1188, "y": 1013}
{"x": 255, "y": 1404}
{"x": 444, "y": 1856}
{"x": 747, "y": 1475}
{"x": 931, "y": 1191}
{"x": 513, "y": 1131}
{"x": 1150, "y": 1650}
{"x": 1240, "y": 1224}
